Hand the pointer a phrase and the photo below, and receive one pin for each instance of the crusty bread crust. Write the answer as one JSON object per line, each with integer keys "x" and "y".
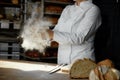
{"x": 104, "y": 71}
{"x": 106, "y": 62}
{"x": 81, "y": 68}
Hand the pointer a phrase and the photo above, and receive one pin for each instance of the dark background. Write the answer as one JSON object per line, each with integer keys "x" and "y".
{"x": 107, "y": 40}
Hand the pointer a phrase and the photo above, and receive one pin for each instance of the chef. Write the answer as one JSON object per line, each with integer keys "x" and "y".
{"x": 75, "y": 31}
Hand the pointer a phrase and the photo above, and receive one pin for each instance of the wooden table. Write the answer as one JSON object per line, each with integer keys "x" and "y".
{"x": 27, "y": 70}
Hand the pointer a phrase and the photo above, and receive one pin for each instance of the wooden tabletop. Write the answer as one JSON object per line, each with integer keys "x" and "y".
{"x": 28, "y": 70}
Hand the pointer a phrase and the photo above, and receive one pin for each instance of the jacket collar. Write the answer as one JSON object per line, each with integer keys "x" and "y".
{"x": 85, "y": 5}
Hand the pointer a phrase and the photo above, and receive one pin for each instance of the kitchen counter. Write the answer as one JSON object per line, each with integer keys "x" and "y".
{"x": 29, "y": 70}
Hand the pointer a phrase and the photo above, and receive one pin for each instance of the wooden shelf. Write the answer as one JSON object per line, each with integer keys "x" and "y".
{"x": 52, "y": 13}
{"x": 58, "y": 2}
{"x": 3, "y": 4}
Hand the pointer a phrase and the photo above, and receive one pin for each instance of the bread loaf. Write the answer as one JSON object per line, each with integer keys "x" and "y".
{"x": 54, "y": 20}
{"x": 104, "y": 73}
{"x": 106, "y": 62}
{"x": 81, "y": 68}
{"x": 62, "y": 0}
{"x": 53, "y": 9}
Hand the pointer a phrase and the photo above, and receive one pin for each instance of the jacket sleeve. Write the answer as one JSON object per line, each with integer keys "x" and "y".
{"x": 63, "y": 16}
{"x": 84, "y": 28}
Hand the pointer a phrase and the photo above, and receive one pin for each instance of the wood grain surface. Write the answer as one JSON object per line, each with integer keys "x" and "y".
{"x": 28, "y": 70}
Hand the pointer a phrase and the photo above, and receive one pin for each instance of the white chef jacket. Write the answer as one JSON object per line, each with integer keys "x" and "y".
{"x": 75, "y": 32}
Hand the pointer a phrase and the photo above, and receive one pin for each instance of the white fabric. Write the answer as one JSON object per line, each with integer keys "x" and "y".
{"x": 75, "y": 32}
